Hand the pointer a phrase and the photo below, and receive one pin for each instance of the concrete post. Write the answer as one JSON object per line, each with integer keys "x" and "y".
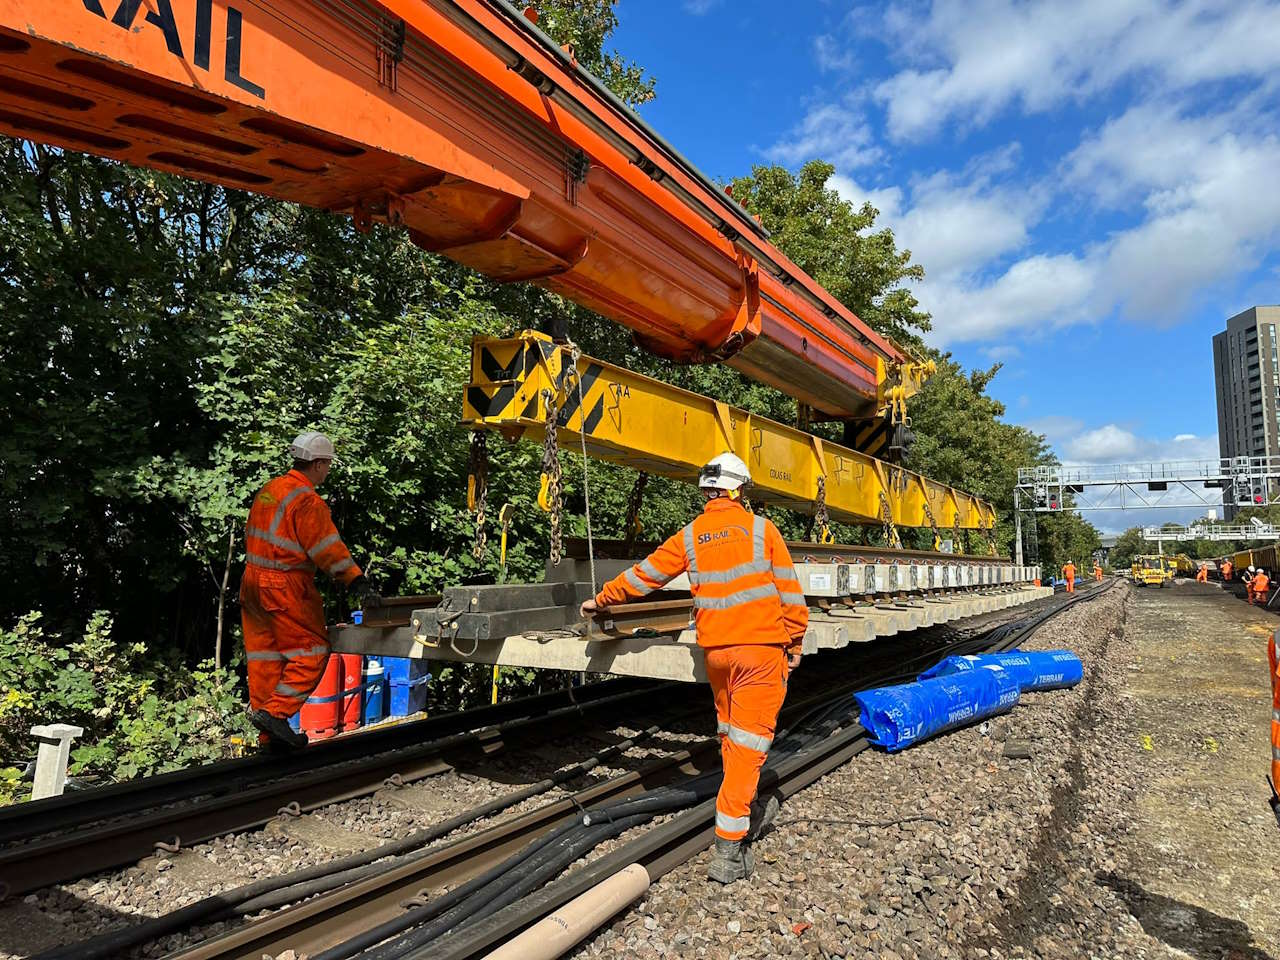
{"x": 51, "y": 759}
{"x": 1017, "y": 528}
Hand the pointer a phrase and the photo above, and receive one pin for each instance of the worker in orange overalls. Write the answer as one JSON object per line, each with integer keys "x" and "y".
{"x": 1069, "y": 574}
{"x": 1273, "y": 659}
{"x": 1202, "y": 573}
{"x": 1259, "y": 584}
{"x": 1097, "y": 571}
{"x": 1226, "y": 569}
{"x": 289, "y": 535}
{"x": 750, "y": 615}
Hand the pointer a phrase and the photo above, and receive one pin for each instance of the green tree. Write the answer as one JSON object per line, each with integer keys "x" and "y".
{"x": 837, "y": 245}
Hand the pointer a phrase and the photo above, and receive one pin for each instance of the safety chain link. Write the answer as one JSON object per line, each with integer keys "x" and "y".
{"x": 821, "y": 519}
{"x": 478, "y": 480}
{"x": 551, "y": 477}
{"x": 631, "y": 525}
{"x": 891, "y": 538}
{"x": 990, "y": 531}
{"x": 955, "y": 535}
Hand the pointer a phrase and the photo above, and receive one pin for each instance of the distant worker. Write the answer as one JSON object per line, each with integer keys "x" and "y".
{"x": 1069, "y": 574}
{"x": 1202, "y": 573}
{"x": 1225, "y": 570}
{"x": 1259, "y": 584}
{"x": 1097, "y": 571}
{"x": 750, "y": 616}
{"x": 289, "y": 534}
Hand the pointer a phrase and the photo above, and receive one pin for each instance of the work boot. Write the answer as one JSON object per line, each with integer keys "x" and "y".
{"x": 279, "y": 734}
{"x": 763, "y": 813}
{"x": 732, "y": 860}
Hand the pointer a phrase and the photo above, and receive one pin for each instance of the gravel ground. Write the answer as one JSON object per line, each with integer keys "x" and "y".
{"x": 943, "y": 850}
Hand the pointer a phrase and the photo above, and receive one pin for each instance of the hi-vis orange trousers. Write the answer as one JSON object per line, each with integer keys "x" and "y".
{"x": 285, "y": 638}
{"x": 1274, "y": 660}
{"x": 749, "y": 682}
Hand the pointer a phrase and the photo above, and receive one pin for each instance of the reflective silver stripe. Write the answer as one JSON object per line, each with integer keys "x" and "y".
{"x": 319, "y": 651}
{"x": 1275, "y": 715}
{"x": 735, "y": 599}
{"x": 637, "y": 584}
{"x": 288, "y": 691}
{"x": 721, "y": 727}
{"x": 274, "y": 539}
{"x": 732, "y": 824}
{"x": 258, "y": 560}
{"x": 752, "y": 741}
{"x": 784, "y": 573}
{"x": 652, "y": 572}
{"x": 757, "y": 537}
{"x": 1275, "y": 753}
{"x": 285, "y": 501}
{"x": 796, "y": 599}
{"x": 689, "y": 555}
{"x": 341, "y": 565}
{"x": 328, "y": 541}
{"x": 733, "y": 573}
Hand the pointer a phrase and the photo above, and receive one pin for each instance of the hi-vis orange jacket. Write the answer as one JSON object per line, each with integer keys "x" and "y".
{"x": 743, "y": 583}
{"x": 290, "y": 530}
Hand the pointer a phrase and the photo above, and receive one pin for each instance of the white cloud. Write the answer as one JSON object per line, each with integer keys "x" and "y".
{"x": 836, "y": 132}
{"x": 700, "y": 7}
{"x": 971, "y": 59}
{"x": 832, "y": 53}
{"x": 1054, "y": 426}
{"x": 1002, "y": 352}
{"x": 1112, "y": 443}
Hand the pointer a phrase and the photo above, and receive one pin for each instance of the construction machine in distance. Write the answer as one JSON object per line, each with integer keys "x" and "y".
{"x": 1151, "y": 571}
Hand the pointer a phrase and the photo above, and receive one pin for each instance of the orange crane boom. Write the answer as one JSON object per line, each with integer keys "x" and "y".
{"x": 461, "y": 121}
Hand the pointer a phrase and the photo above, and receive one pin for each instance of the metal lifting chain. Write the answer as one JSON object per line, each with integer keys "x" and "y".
{"x": 933, "y": 524}
{"x": 576, "y": 356}
{"x": 956, "y": 536}
{"x": 549, "y": 497}
{"x": 891, "y": 538}
{"x": 478, "y": 489}
{"x": 822, "y": 521}
{"x": 631, "y": 525}
{"x": 990, "y": 531}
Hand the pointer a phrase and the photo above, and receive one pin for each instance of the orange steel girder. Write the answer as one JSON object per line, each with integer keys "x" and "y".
{"x": 451, "y": 118}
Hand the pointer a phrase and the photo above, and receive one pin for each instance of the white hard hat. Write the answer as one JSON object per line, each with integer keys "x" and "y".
{"x": 724, "y": 472}
{"x": 311, "y": 445}
{"x": 1251, "y": 568}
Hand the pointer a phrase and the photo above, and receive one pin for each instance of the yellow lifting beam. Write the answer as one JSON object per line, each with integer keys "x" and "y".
{"x": 648, "y": 425}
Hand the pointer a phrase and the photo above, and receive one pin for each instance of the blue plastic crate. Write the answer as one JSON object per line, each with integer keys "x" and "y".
{"x": 407, "y": 684}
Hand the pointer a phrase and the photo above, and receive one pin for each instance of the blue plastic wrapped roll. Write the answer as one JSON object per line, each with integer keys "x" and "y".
{"x": 897, "y": 717}
{"x": 1035, "y": 670}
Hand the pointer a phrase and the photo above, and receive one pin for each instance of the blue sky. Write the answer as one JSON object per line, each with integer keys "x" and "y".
{"x": 1091, "y": 186}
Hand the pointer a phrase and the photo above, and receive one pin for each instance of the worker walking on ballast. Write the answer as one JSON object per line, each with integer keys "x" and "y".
{"x": 288, "y": 536}
{"x": 1069, "y": 574}
{"x": 750, "y": 615}
{"x": 1097, "y": 571}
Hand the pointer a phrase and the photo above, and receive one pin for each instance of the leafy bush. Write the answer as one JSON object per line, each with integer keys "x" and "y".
{"x": 141, "y": 715}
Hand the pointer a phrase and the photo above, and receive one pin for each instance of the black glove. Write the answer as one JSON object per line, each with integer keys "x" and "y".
{"x": 363, "y": 594}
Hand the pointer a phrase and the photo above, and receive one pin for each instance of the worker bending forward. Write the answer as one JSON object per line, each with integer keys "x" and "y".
{"x": 1069, "y": 574}
{"x": 1258, "y": 585}
{"x": 750, "y": 616}
{"x": 289, "y": 534}
{"x": 1202, "y": 573}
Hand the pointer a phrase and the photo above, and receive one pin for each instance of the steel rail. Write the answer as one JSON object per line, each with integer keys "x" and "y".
{"x": 67, "y": 856}
{"x": 576, "y": 548}
{"x": 25, "y": 821}
{"x": 331, "y": 917}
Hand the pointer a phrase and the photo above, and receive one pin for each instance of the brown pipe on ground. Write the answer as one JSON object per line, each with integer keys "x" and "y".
{"x": 559, "y": 932}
